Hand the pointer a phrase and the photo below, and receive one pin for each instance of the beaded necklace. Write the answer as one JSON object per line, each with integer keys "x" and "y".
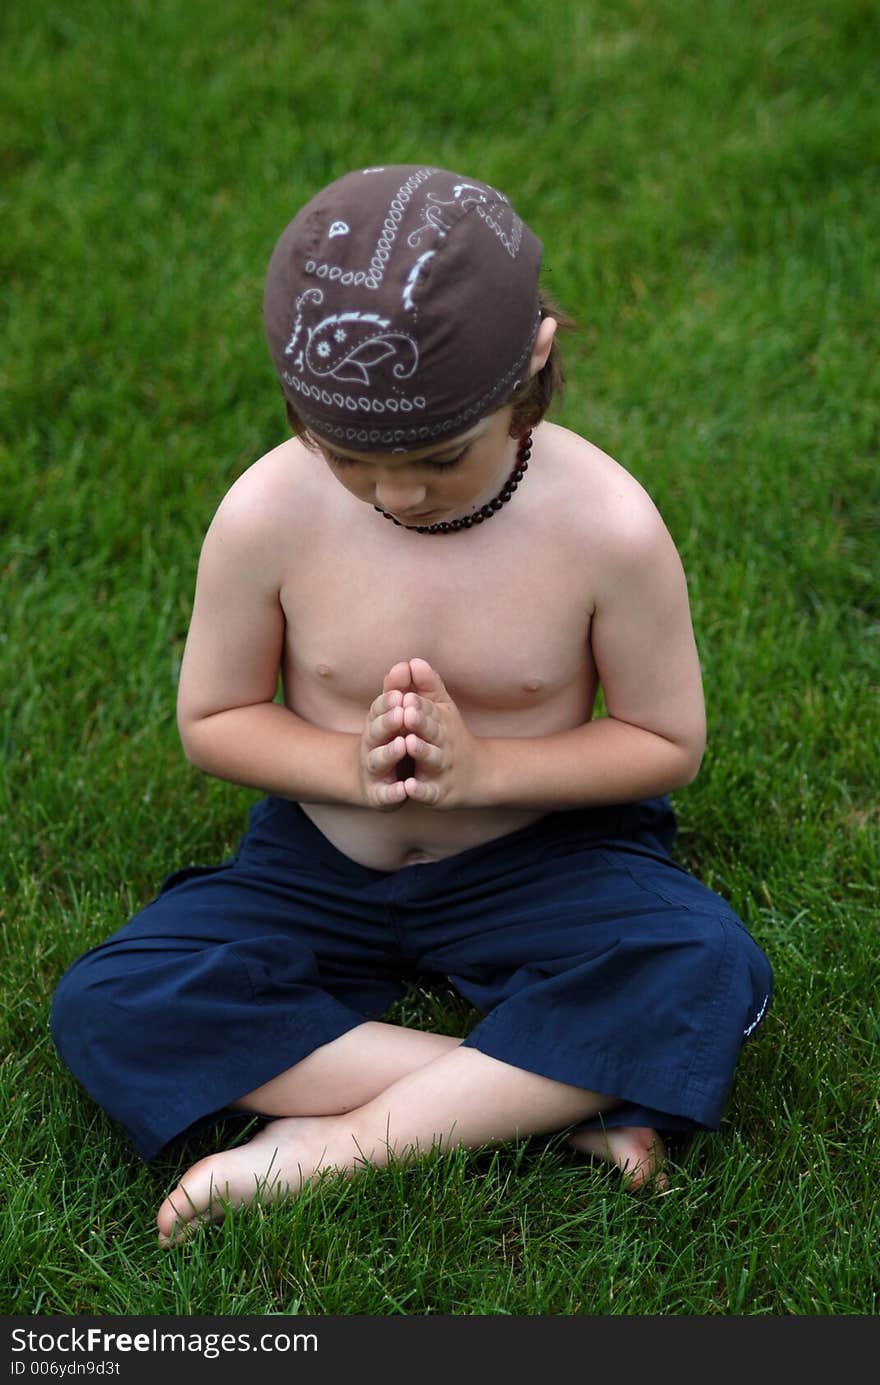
{"x": 452, "y": 526}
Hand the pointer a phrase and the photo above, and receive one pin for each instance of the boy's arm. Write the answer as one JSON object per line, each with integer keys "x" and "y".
{"x": 653, "y": 737}
{"x": 228, "y": 720}
{"x": 654, "y": 734}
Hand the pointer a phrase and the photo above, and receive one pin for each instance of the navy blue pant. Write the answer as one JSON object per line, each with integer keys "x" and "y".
{"x": 593, "y": 958}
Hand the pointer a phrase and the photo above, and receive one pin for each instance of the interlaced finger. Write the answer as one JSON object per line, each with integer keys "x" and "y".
{"x": 380, "y": 760}
{"x": 384, "y": 702}
{"x": 422, "y": 791}
{"x": 381, "y": 727}
{"x": 423, "y": 704}
{"x": 421, "y": 721}
{"x": 390, "y": 795}
{"x": 430, "y": 756}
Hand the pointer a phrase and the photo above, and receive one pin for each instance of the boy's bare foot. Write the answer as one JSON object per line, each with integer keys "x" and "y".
{"x": 289, "y": 1151}
{"x": 276, "y": 1163}
{"x": 638, "y": 1152}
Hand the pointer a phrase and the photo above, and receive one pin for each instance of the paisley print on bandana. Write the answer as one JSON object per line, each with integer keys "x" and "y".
{"x": 402, "y": 290}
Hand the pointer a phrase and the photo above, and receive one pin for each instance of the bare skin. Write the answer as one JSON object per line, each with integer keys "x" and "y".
{"x": 454, "y": 1097}
{"x": 383, "y": 1090}
{"x": 475, "y": 657}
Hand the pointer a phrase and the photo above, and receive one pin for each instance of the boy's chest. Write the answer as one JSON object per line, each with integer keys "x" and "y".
{"x": 503, "y": 628}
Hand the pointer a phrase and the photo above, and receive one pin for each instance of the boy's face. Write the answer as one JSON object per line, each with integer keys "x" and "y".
{"x": 433, "y": 484}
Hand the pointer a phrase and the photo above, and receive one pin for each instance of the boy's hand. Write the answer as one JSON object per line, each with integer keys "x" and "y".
{"x": 383, "y": 744}
{"x": 443, "y": 751}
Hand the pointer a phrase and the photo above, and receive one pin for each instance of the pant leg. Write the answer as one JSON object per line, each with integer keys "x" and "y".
{"x": 597, "y": 961}
{"x": 232, "y": 975}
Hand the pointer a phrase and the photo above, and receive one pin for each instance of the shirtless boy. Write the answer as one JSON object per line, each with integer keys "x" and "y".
{"x": 443, "y": 581}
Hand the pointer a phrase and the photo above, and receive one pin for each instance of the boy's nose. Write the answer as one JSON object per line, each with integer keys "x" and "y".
{"x": 398, "y": 495}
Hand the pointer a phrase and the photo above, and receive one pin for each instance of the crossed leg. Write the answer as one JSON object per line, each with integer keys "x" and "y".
{"x": 383, "y": 1091}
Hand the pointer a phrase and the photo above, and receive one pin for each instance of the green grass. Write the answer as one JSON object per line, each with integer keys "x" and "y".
{"x": 704, "y": 179}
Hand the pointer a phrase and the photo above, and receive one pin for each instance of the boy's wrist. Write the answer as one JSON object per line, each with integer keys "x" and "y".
{"x": 513, "y": 772}
{"x": 488, "y": 775}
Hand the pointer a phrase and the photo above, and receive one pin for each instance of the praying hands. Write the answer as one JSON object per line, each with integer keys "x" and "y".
{"x": 415, "y": 720}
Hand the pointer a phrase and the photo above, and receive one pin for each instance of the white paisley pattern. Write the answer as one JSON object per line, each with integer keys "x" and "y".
{"x": 414, "y": 273}
{"x": 395, "y": 436}
{"x": 347, "y": 345}
{"x": 345, "y": 348}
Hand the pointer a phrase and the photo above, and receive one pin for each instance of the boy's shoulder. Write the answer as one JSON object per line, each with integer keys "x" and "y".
{"x": 273, "y": 491}
{"x": 277, "y": 474}
{"x": 265, "y": 516}
{"x": 599, "y": 496}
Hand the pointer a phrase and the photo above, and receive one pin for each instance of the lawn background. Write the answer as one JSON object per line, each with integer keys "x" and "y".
{"x": 704, "y": 178}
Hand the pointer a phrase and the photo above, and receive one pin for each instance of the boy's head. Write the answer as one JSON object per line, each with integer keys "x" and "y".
{"x": 401, "y": 307}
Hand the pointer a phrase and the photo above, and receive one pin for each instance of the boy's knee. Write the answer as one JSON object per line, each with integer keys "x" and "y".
{"x": 79, "y": 1019}
{"x": 66, "y": 1003}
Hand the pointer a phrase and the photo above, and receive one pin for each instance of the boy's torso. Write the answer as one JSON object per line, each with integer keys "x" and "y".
{"x": 501, "y": 612}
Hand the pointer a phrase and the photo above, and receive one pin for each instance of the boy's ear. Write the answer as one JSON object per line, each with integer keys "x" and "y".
{"x": 543, "y": 343}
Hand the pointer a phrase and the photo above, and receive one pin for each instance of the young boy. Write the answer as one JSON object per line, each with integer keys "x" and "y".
{"x": 441, "y": 802}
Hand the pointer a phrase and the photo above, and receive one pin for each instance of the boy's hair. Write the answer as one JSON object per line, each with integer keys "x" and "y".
{"x": 531, "y": 402}
{"x": 402, "y": 306}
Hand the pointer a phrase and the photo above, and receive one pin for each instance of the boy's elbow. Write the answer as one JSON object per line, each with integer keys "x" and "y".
{"x": 192, "y": 742}
{"x": 690, "y": 770}
{"x": 691, "y": 758}
{"x": 190, "y": 750}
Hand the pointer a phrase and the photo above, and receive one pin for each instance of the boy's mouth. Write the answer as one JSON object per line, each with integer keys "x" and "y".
{"x": 419, "y": 518}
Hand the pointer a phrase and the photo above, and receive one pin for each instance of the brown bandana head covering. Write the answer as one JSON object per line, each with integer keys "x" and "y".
{"x": 401, "y": 307}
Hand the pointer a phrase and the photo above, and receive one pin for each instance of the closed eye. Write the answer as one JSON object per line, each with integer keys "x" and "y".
{"x": 342, "y": 462}
{"x": 445, "y": 466}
